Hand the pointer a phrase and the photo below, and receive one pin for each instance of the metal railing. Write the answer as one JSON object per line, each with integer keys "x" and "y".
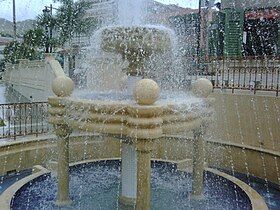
{"x": 247, "y": 73}
{"x": 19, "y": 119}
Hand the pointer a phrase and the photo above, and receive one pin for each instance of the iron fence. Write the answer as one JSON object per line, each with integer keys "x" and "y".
{"x": 247, "y": 73}
{"x": 19, "y": 119}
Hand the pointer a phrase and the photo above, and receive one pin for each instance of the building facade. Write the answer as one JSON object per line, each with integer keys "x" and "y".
{"x": 251, "y": 28}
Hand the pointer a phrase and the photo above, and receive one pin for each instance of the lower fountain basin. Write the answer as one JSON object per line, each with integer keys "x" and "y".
{"x": 97, "y": 186}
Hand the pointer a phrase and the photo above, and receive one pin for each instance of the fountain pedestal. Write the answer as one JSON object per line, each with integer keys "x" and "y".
{"x": 144, "y": 149}
{"x": 198, "y": 164}
{"x": 128, "y": 175}
{"x": 202, "y": 88}
{"x": 63, "y": 132}
{"x": 62, "y": 86}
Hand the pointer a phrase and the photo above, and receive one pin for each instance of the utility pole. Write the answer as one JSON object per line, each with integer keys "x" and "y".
{"x": 198, "y": 54}
{"x": 14, "y": 20}
{"x": 51, "y": 27}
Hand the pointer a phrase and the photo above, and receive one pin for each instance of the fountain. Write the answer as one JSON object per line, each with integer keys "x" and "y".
{"x": 136, "y": 125}
{"x": 138, "y": 122}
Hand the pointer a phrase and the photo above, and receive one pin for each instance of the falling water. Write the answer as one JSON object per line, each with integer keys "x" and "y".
{"x": 242, "y": 139}
{"x": 232, "y": 163}
{"x": 261, "y": 146}
{"x": 278, "y": 120}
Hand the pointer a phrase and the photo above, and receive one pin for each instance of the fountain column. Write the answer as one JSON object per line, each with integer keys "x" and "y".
{"x": 144, "y": 149}
{"x": 128, "y": 176}
{"x": 63, "y": 132}
{"x": 201, "y": 88}
{"x": 144, "y": 126}
{"x": 198, "y": 164}
{"x": 62, "y": 86}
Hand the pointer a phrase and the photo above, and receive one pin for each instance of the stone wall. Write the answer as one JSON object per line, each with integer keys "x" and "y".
{"x": 247, "y": 119}
{"x": 23, "y": 155}
{"x": 32, "y": 79}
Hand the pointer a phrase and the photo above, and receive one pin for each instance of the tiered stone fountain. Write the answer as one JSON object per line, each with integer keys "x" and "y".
{"x": 136, "y": 125}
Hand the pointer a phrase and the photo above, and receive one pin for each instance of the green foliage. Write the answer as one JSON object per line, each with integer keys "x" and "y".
{"x": 46, "y": 20}
{"x": 71, "y": 20}
{"x": 68, "y": 21}
{"x": 16, "y": 50}
{"x": 2, "y": 123}
{"x": 30, "y": 48}
{"x": 5, "y": 35}
{"x": 2, "y": 65}
{"x": 34, "y": 38}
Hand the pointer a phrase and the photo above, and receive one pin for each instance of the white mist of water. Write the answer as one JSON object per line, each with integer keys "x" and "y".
{"x": 132, "y": 12}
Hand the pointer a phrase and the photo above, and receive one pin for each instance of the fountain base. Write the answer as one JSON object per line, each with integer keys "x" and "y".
{"x": 127, "y": 202}
{"x": 169, "y": 188}
{"x": 63, "y": 203}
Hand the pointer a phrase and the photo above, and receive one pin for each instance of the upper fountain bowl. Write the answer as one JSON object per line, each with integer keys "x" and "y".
{"x": 135, "y": 43}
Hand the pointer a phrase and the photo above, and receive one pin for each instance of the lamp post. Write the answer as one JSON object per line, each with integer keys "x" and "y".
{"x": 49, "y": 27}
{"x": 46, "y": 12}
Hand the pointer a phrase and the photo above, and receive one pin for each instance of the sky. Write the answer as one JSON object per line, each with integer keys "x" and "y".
{"x": 29, "y": 9}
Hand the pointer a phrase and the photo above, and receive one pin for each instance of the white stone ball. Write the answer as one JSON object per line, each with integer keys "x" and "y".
{"x": 63, "y": 86}
{"x": 202, "y": 87}
{"x": 146, "y": 92}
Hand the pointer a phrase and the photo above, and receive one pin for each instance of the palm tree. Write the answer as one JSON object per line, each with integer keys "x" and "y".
{"x": 71, "y": 21}
{"x": 16, "y": 50}
{"x": 34, "y": 38}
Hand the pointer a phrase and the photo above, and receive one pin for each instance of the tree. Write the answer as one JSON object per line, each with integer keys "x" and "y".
{"x": 2, "y": 65}
{"x": 5, "y": 34}
{"x": 71, "y": 19}
{"x": 16, "y": 50}
{"x": 34, "y": 38}
{"x": 68, "y": 22}
{"x": 30, "y": 48}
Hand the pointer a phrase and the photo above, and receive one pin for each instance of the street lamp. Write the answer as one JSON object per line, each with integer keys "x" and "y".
{"x": 46, "y": 13}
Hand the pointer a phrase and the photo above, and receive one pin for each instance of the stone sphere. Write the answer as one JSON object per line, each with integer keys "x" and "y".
{"x": 146, "y": 92}
{"x": 62, "y": 86}
{"x": 202, "y": 87}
